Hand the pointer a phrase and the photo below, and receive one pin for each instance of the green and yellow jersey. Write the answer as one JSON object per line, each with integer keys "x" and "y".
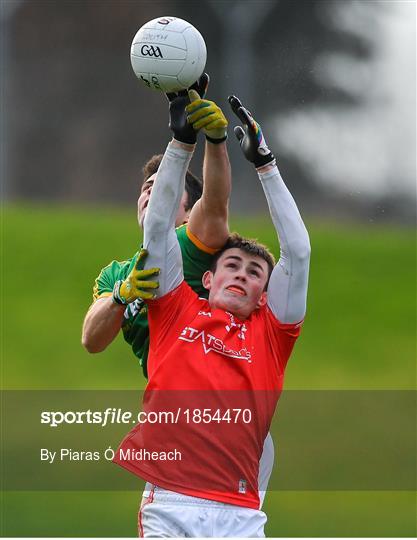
{"x": 196, "y": 260}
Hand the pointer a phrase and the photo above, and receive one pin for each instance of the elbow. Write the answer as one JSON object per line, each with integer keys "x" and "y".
{"x": 155, "y": 224}
{"x": 303, "y": 250}
{"x": 90, "y": 345}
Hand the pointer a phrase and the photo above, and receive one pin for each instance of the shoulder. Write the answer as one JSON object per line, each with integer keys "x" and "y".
{"x": 118, "y": 267}
{"x": 108, "y": 276}
{"x": 278, "y": 338}
{"x": 265, "y": 318}
{"x": 187, "y": 239}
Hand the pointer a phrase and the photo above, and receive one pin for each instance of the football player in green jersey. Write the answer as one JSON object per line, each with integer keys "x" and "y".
{"x": 202, "y": 230}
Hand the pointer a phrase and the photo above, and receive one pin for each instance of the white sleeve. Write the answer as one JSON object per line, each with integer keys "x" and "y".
{"x": 160, "y": 238}
{"x": 287, "y": 288}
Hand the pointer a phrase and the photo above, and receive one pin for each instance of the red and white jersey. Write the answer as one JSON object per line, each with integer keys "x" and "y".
{"x": 215, "y": 379}
{"x": 204, "y": 366}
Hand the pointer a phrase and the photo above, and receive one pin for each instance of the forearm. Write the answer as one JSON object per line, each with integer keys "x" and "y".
{"x": 209, "y": 217}
{"x": 101, "y": 324}
{"x": 217, "y": 179}
{"x": 287, "y": 290}
{"x": 159, "y": 225}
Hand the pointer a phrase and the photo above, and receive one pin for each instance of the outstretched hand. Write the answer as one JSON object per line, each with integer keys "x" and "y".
{"x": 136, "y": 285}
{"x": 208, "y": 116}
{"x": 183, "y": 131}
{"x": 250, "y": 137}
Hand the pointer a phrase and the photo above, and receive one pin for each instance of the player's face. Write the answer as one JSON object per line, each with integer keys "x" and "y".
{"x": 143, "y": 201}
{"x": 238, "y": 283}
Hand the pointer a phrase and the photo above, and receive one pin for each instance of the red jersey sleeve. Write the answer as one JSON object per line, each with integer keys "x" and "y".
{"x": 282, "y": 336}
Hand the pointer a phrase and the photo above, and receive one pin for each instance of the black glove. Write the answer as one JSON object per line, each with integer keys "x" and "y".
{"x": 183, "y": 131}
{"x": 250, "y": 138}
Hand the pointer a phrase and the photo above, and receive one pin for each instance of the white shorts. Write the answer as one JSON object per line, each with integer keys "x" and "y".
{"x": 266, "y": 464}
{"x": 166, "y": 514}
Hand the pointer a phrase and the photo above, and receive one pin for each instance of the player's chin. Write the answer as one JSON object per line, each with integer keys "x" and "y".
{"x": 233, "y": 302}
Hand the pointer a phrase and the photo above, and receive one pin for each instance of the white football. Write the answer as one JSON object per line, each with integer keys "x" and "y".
{"x": 168, "y": 54}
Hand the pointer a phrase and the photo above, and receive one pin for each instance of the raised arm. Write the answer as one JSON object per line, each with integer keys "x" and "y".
{"x": 209, "y": 217}
{"x": 104, "y": 318}
{"x": 287, "y": 289}
{"x": 160, "y": 239}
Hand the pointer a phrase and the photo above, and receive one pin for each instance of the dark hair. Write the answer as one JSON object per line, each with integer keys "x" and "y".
{"x": 193, "y": 185}
{"x": 248, "y": 245}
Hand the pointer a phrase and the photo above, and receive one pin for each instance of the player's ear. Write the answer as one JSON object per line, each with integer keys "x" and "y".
{"x": 262, "y": 300}
{"x": 207, "y": 279}
{"x": 187, "y": 216}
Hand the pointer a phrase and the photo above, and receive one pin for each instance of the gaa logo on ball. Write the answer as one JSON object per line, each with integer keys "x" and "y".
{"x": 168, "y": 54}
{"x": 150, "y": 50}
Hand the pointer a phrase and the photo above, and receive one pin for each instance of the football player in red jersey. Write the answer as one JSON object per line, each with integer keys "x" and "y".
{"x": 236, "y": 343}
{"x": 207, "y": 229}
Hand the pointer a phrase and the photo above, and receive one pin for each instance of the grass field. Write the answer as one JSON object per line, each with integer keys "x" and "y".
{"x": 359, "y": 334}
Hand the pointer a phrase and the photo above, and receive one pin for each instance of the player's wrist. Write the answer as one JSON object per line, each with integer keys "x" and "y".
{"x": 117, "y": 297}
{"x": 188, "y": 147}
{"x": 213, "y": 140}
{"x": 190, "y": 139}
{"x": 263, "y": 161}
{"x": 267, "y": 167}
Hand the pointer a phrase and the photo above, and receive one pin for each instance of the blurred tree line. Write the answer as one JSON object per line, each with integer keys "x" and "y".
{"x": 80, "y": 126}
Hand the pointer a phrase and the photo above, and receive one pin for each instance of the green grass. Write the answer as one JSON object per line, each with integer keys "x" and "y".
{"x": 291, "y": 514}
{"x": 359, "y": 330}
{"x": 359, "y": 334}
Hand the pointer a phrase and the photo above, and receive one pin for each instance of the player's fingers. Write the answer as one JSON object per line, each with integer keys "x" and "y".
{"x": 147, "y": 284}
{"x": 203, "y": 83}
{"x": 204, "y": 122}
{"x": 239, "y": 132}
{"x": 245, "y": 116}
{"x": 213, "y": 124}
{"x": 144, "y": 274}
{"x": 193, "y": 95}
{"x": 141, "y": 257}
{"x": 235, "y": 103}
{"x": 152, "y": 271}
{"x": 200, "y": 86}
{"x": 200, "y": 112}
{"x": 197, "y": 104}
{"x": 145, "y": 295}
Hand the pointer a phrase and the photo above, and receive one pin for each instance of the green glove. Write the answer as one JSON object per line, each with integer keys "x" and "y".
{"x": 136, "y": 284}
{"x": 250, "y": 138}
{"x": 206, "y": 115}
